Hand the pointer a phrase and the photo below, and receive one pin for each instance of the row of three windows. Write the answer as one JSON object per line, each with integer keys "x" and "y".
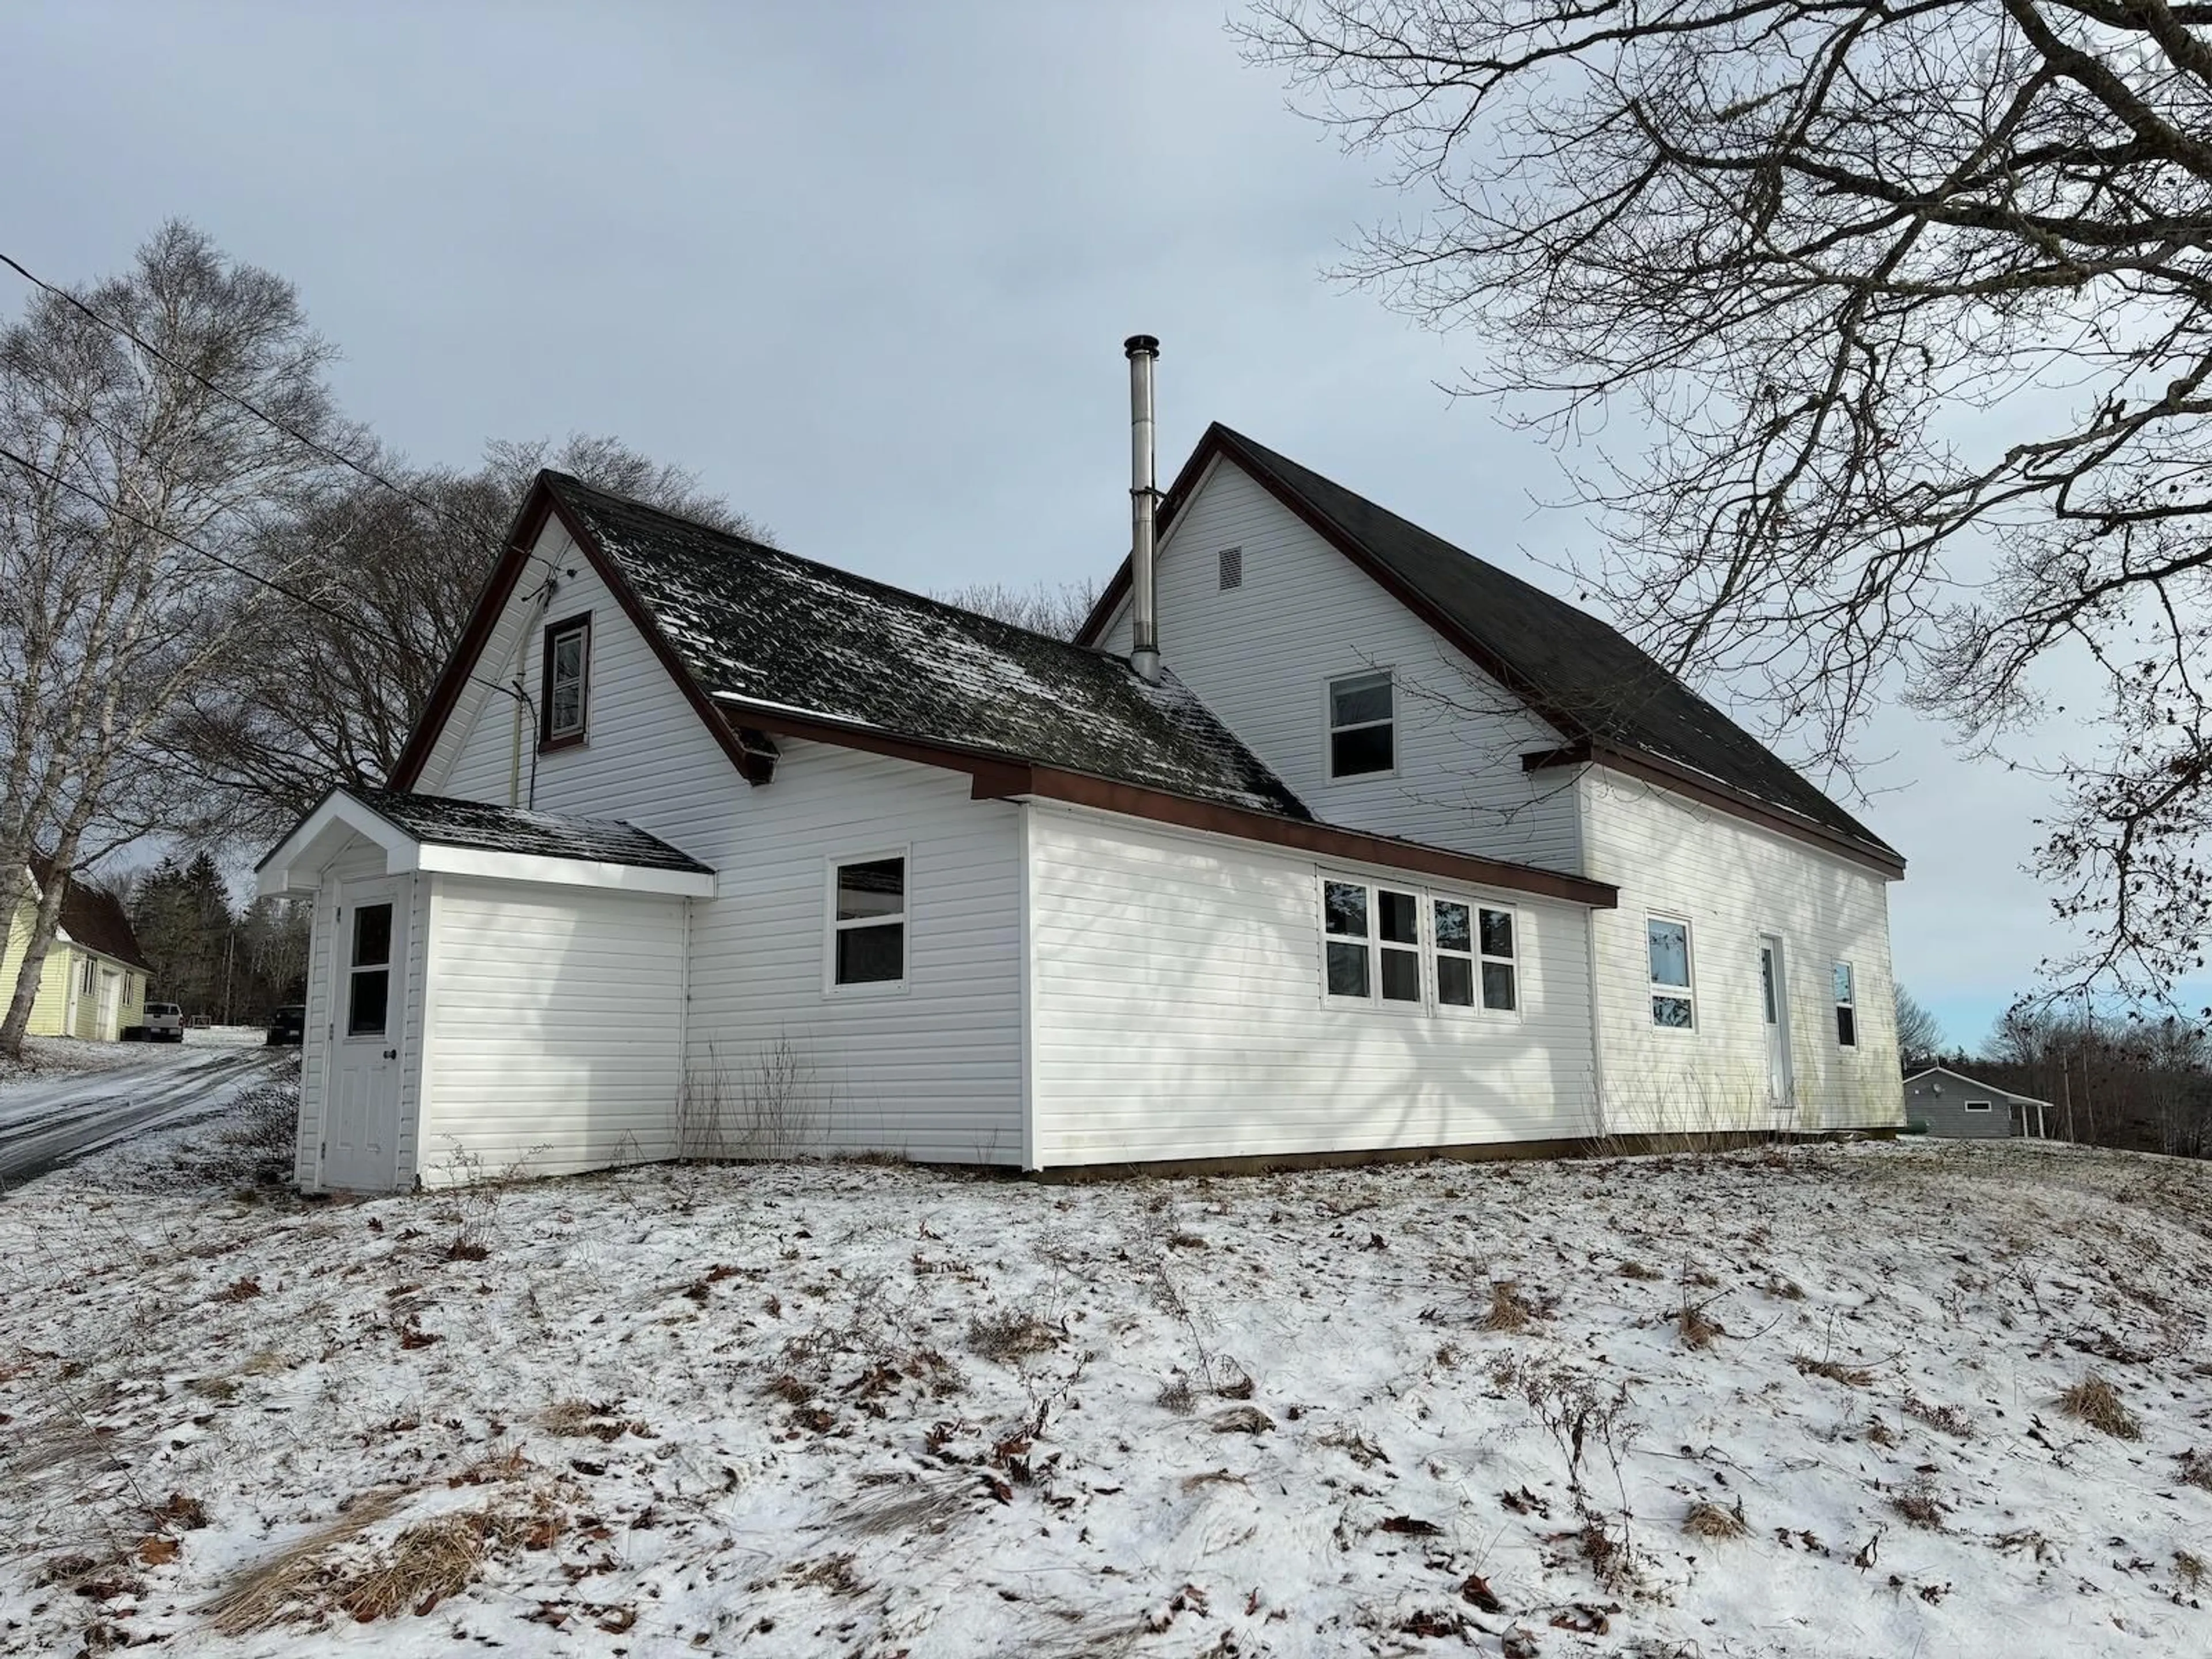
{"x": 1386, "y": 945}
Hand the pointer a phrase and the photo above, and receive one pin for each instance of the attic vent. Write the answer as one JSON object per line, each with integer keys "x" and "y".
{"x": 1232, "y": 567}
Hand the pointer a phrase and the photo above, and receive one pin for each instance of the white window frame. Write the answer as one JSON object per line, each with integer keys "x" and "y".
{"x": 1850, "y": 1000}
{"x": 831, "y": 926}
{"x": 1476, "y": 957}
{"x": 1330, "y": 728}
{"x": 1653, "y": 989}
{"x": 1429, "y": 1003}
{"x": 88, "y": 980}
{"x": 1977, "y": 1105}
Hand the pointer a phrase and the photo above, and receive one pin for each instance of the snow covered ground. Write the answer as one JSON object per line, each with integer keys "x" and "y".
{"x": 56, "y": 1114}
{"x": 1763, "y": 1404}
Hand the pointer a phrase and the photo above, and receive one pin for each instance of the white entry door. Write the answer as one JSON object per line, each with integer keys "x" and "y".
{"x": 1774, "y": 1004}
{"x": 361, "y": 1134}
{"x": 110, "y": 1005}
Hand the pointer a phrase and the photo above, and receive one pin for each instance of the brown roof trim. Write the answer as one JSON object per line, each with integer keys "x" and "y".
{"x": 997, "y": 778}
{"x": 1683, "y": 781}
{"x": 1219, "y": 441}
{"x": 528, "y": 527}
{"x": 1301, "y": 834}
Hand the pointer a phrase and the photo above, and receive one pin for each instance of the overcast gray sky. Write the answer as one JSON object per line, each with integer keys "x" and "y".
{"x": 866, "y": 268}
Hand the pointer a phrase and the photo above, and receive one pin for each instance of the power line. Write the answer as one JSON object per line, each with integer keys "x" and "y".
{"x": 220, "y": 391}
{"x": 270, "y": 582}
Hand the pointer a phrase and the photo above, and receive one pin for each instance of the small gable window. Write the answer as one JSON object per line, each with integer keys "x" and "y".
{"x": 567, "y": 684}
{"x": 1362, "y": 725}
{"x": 867, "y": 923}
{"x": 1847, "y": 1013}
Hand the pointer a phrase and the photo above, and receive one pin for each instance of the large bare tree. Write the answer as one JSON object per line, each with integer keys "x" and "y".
{"x": 324, "y": 690}
{"x": 131, "y": 494}
{"x": 1885, "y": 329}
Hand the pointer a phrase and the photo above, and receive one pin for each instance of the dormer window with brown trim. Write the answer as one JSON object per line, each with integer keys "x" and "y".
{"x": 564, "y": 714}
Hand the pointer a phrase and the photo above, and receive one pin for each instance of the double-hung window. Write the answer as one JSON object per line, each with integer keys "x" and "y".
{"x": 565, "y": 686}
{"x": 89, "y": 979}
{"x": 1362, "y": 725}
{"x": 867, "y": 922}
{"x": 1673, "y": 1001}
{"x": 1847, "y": 1011}
{"x": 1377, "y": 948}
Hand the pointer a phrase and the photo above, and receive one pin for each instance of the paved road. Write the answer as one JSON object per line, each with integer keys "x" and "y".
{"x": 47, "y": 1124}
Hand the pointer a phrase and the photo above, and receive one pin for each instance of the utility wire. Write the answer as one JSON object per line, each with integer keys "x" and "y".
{"x": 220, "y": 391}
{"x": 267, "y": 419}
{"x": 209, "y": 553}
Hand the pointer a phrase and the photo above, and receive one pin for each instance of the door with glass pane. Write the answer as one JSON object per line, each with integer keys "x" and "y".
{"x": 360, "y": 1134}
{"x": 1774, "y": 1006}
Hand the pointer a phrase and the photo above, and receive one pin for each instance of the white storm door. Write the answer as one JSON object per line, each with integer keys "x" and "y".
{"x": 1774, "y": 1008}
{"x": 361, "y": 1135}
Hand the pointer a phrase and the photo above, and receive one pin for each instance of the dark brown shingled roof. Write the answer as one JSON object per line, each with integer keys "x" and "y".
{"x": 92, "y": 917}
{"x": 757, "y": 626}
{"x": 1583, "y": 675}
{"x": 449, "y": 823}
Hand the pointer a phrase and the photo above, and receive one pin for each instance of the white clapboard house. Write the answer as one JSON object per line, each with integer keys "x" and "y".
{"x": 1329, "y": 839}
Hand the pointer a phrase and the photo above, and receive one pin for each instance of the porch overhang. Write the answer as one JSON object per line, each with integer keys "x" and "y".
{"x": 296, "y": 863}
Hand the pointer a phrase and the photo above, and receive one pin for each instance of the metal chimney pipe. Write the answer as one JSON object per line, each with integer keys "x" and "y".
{"x": 1143, "y": 351}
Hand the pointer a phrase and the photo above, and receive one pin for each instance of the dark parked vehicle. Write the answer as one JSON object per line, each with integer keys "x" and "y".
{"x": 288, "y": 1026}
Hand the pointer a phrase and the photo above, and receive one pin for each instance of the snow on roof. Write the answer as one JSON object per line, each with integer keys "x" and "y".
{"x": 762, "y": 626}
{"x": 449, "y": 823}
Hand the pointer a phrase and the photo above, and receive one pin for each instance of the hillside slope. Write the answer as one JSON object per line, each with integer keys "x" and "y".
{"x": 1781, "y": 1404}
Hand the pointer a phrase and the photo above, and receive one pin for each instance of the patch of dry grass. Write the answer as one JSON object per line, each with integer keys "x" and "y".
{"x": 1706, "y": 1519}
{"x": 276, "y": 1588}
{"x": 1949, "y": 1419}
{"x": 1011, "y": 1335}
{"x": 1851, "y": 1377}
{"x": 1918, "y": 1504}
{"x": 2195, "y": 1468}
{"x": 2098, "y": 1403}
{"x": 1697, "y": 1328}
{"x": 1509, "y": 1311}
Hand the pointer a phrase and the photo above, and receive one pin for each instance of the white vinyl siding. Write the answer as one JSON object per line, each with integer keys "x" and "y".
{"x": 1177, "y": 1011}
{"x": 555, "y": 1030}
{"x": 1732, "y": 882}
{"x": 935, "y": 1073}
{"x": 932, "y": 1071}
{"x": 1260, "y": 656}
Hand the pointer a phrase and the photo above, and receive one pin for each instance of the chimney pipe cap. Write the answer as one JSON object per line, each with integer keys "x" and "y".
{"x": 1145, "y": 344}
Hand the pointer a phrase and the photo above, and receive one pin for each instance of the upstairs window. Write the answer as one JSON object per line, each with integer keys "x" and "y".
{"x": 1847, "y": 1011}
{"x": 1362, "y": 725}
{"x": 565, "y": 684}
{"x": 867, "y": 922}
{"x": 1673, "y": 1001}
